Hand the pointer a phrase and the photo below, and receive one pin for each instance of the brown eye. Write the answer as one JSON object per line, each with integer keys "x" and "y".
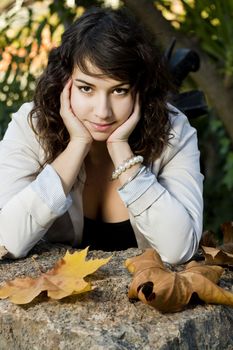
{"x": 85, "y": 89}
{"x": 121, "y": 91}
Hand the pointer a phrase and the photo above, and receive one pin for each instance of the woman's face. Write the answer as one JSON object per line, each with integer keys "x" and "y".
{"x": 101, "y": 103}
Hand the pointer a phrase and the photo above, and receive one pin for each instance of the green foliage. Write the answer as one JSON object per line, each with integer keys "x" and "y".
{"x": 22, "y": 59}
{"x": 212, "y": 23}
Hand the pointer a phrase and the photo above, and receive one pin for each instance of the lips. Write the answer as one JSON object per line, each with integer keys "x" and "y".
{"x": 101, "y": 127}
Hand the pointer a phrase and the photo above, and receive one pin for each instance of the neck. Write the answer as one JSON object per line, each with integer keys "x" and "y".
{"x": 98, "y": 154}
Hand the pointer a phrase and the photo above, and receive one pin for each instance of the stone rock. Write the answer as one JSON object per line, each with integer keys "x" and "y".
{"x": 105, "y": 318}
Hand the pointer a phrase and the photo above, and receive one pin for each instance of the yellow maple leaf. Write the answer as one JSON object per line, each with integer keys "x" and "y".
{"x": 66, "y": 278}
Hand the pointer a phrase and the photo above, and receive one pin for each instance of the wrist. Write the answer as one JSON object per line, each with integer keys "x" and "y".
{"x": 119, "y": 151}
{"x": 79, "y": 146}
{"x": 79, "y": 140}
{"x": 125, "y": 167}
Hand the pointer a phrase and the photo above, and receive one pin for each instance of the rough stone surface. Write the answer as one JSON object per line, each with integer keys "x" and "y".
{"x": 104, "y": 318}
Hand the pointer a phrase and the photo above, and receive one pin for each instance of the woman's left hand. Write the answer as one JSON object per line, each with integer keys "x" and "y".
{"x": 122, "y": 133}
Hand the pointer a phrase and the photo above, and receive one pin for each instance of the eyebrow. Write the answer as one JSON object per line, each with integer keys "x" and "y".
{"x": 87, "y": 83}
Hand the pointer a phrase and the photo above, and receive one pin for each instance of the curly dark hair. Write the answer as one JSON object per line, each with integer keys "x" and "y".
{"x": 122, "y": 49}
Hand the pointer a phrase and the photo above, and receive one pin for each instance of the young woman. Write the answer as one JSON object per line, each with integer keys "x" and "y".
{"x": 100, "y": 157}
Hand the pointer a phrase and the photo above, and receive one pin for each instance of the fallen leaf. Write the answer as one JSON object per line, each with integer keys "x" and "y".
{"x": 214, "y": 252}
{"x": 227, "y": 248}
{"x": 66, "y": 278}
{"x": 170, "y": 291}
{"x": 217, "y": 256}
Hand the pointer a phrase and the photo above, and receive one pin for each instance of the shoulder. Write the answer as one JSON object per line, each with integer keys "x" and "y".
{"x": 19, "y": 131}
{"x": 180, "y": 125}
{"x": 19, "y": 126}
{"x": 21, "y": 116}
{"x": 182, "y": 139}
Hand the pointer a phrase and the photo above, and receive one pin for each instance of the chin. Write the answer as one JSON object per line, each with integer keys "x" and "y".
{"x": 100, "y": 138}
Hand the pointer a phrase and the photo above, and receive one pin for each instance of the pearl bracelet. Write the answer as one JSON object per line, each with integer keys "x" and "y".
{"x": 126, "y": 165}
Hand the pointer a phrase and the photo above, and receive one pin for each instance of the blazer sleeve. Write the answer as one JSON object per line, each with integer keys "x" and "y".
{"x": 29, "y": 204}
{"x": 166, "y": 201}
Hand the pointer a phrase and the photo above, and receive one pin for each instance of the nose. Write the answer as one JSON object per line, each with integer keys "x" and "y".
{"x": 103, "y": 108}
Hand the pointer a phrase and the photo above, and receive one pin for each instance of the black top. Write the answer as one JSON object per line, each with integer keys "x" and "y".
{"x": 99, "y": 235}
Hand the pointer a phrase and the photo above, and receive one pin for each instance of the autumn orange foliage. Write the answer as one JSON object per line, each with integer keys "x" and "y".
{"x": 152, "y": 283}
{"x": 66, "y": 278}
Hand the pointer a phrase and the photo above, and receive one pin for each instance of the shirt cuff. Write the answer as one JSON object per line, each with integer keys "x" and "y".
{"x": 141, "y": 192}
{"x": 49, "y": 188}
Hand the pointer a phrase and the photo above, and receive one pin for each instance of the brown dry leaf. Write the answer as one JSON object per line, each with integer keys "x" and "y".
{"x": 64, "y": 279}
{"x": 217, "y": 256}
{"x": 170, "y": 291}
{"x": 215, "y": 253}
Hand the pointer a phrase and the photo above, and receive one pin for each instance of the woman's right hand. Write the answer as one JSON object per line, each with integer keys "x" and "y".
{"x": 75, "y": 127}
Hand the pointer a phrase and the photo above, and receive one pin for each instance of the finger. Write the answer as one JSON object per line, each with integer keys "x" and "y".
{"x": 136, "y": 110}
{"x": 137, "y": 104}
{"x": 68, "y": 84}
{"x": 65, "y": 97}
{"x": 66, "y": 90}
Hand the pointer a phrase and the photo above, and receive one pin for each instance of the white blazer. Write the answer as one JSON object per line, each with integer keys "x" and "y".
{"x": 165, "y": 202}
